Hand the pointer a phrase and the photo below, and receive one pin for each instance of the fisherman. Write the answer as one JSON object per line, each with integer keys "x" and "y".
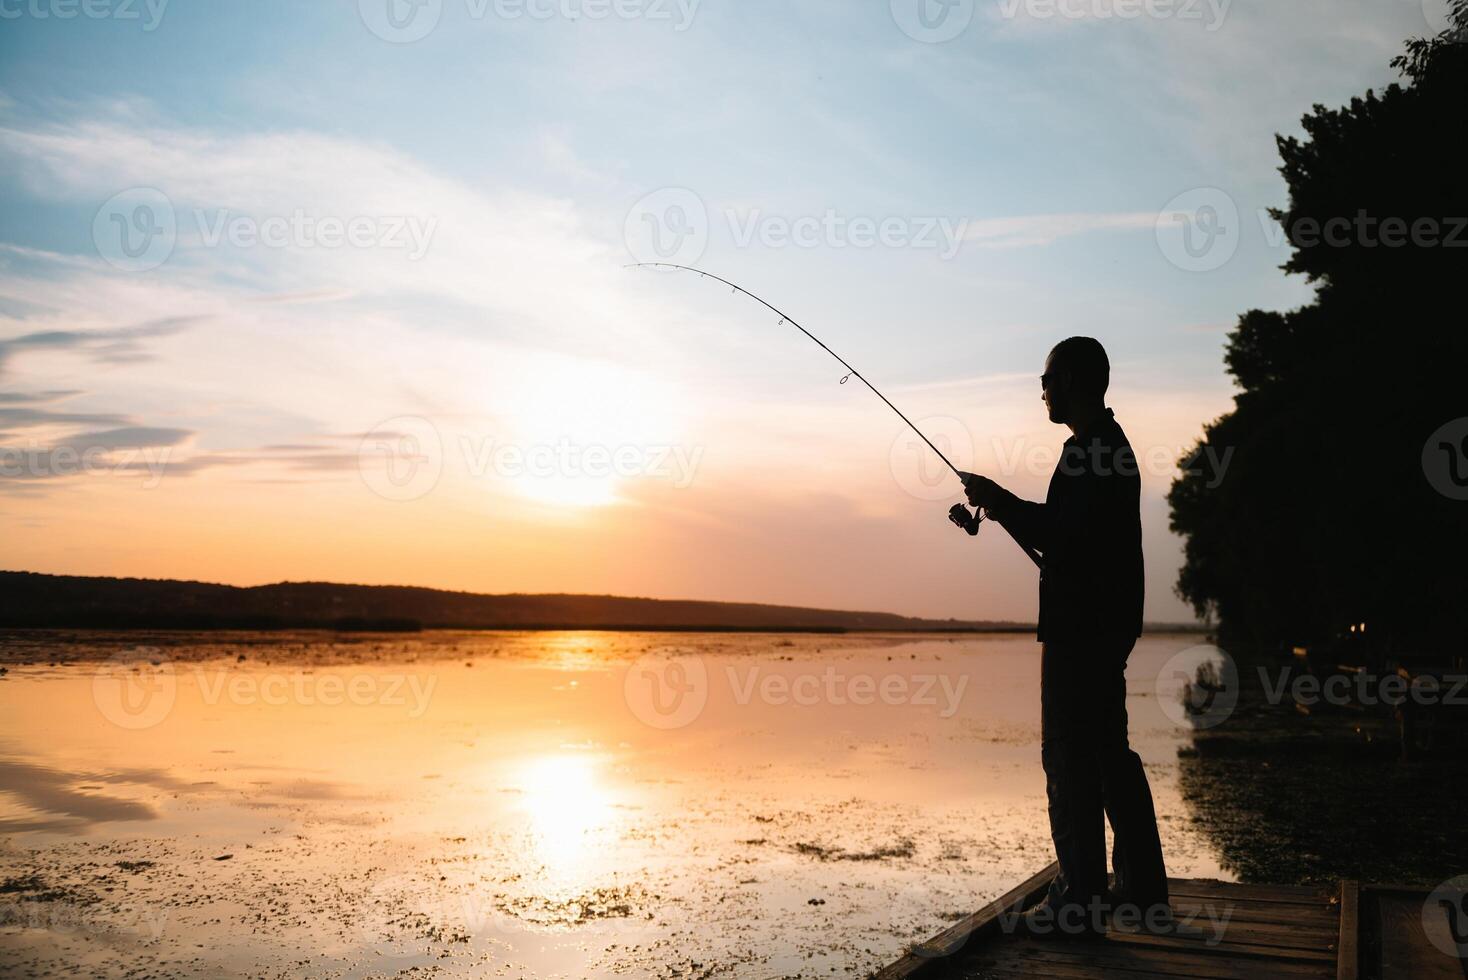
{"x": 1089, "y": 534}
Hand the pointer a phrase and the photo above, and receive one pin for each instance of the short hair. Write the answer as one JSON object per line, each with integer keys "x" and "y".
{"x": 1086, "y": 360}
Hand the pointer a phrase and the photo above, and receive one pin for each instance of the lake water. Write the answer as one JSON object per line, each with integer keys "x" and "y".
{"x": 526, "y": 804}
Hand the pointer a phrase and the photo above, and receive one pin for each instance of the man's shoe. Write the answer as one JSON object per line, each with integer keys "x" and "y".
{"x": 1046, "y": 921}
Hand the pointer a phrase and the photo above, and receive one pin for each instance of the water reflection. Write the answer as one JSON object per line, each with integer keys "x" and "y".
{"x": 567, "y": 806}
{"x": 42, "y": 798}
{"x": 494, "y": 803}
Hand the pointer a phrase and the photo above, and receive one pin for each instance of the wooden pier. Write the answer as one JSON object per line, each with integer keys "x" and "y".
{"x": 1259, "y": 932}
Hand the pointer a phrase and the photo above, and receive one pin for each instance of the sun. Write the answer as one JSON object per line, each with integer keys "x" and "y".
{"x": 581, "y": 429}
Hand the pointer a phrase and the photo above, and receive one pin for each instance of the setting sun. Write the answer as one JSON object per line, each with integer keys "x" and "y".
{"x": 581, "y": 429}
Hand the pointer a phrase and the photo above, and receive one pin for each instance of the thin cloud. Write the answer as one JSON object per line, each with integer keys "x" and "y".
{"x": 114, "y": 345}
{"x": 23, "y": 418}
{"x": 1028, "y": 231}
{"x": 975, "y": 381}
{"x": 130, "y": 437}
{"x": 36, "y": 397}
{"x": 308, "y": 296}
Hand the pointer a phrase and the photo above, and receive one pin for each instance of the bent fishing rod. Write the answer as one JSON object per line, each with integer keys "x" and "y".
{"x": 968, "y": 522}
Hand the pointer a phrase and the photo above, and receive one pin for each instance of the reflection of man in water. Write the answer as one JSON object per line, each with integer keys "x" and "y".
{"x": 1089, "y": 532}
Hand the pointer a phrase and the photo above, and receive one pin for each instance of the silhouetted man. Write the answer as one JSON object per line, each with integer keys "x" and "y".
{"x": 1089, "y": 533}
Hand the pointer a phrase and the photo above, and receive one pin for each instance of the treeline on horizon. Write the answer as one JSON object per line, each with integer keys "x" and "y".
{"x": 1325, "y": 513}
{"x": 34, "y": 600}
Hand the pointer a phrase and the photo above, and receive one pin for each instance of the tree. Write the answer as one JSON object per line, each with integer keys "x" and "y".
{"x": 1308, "y": 506}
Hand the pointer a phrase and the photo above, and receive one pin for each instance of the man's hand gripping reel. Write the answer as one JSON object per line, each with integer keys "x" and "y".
{"x": 959, "y": 515}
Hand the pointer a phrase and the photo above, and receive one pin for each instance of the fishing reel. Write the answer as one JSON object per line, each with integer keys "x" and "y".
{"x": 959, "y": 515}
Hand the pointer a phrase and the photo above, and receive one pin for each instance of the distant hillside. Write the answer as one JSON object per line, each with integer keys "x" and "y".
{"x": 28, "y": 599}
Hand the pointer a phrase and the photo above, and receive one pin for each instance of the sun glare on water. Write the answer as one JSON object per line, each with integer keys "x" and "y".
{"x": 566, "y": 801}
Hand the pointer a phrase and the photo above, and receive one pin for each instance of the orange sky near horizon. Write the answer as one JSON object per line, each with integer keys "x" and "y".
{"x": 828, "y": 502}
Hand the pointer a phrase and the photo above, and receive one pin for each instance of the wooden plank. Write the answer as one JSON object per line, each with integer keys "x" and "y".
{"x": 1197, "y": 946}
{"x": 1295, "y": 909}
{"x": 1253, "y": 898}
{"x": 1293, "y": 932}
{"x": 1265, "y": 894}
{"x": 1324, "y": 911}
{"x": 1406, "y": 951}
{"x": 1320, "y": 932}
{"x": 1296, "y": 893}
{"x": 925, "y": 955}
{"x": 1038, "y": 958}
{"x": 1438, "y": 931}
{"x": 1325, "y": 921}
{"x": 1257, "y": 934}
{"x": 1348, "y": 955}
{"x": 1068, "y": 971}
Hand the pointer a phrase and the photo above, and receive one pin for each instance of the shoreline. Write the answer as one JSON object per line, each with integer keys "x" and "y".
{"x": 1294, "y": 798}
{"x": 59, "y": 646}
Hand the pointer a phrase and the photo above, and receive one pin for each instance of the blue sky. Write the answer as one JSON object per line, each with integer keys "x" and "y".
{"x": 528, "y": 155}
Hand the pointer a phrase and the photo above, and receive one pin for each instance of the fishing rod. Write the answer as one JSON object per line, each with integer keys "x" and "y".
{"x": 958, "y": 514}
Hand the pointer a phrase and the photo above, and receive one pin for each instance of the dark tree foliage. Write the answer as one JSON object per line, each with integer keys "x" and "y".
{"x": 1323, "y": 514}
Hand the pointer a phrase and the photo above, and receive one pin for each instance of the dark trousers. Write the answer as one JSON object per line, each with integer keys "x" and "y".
{"x": 1090, "y": 769}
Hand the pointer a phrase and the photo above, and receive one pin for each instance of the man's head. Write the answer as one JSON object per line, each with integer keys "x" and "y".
{"x": 1077, "y": 373}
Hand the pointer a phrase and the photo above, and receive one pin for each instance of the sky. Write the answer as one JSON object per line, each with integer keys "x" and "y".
{"x": 336, "y": 290}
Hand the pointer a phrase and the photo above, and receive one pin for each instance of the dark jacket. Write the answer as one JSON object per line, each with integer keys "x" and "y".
{"x": 1089, "y": 531}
